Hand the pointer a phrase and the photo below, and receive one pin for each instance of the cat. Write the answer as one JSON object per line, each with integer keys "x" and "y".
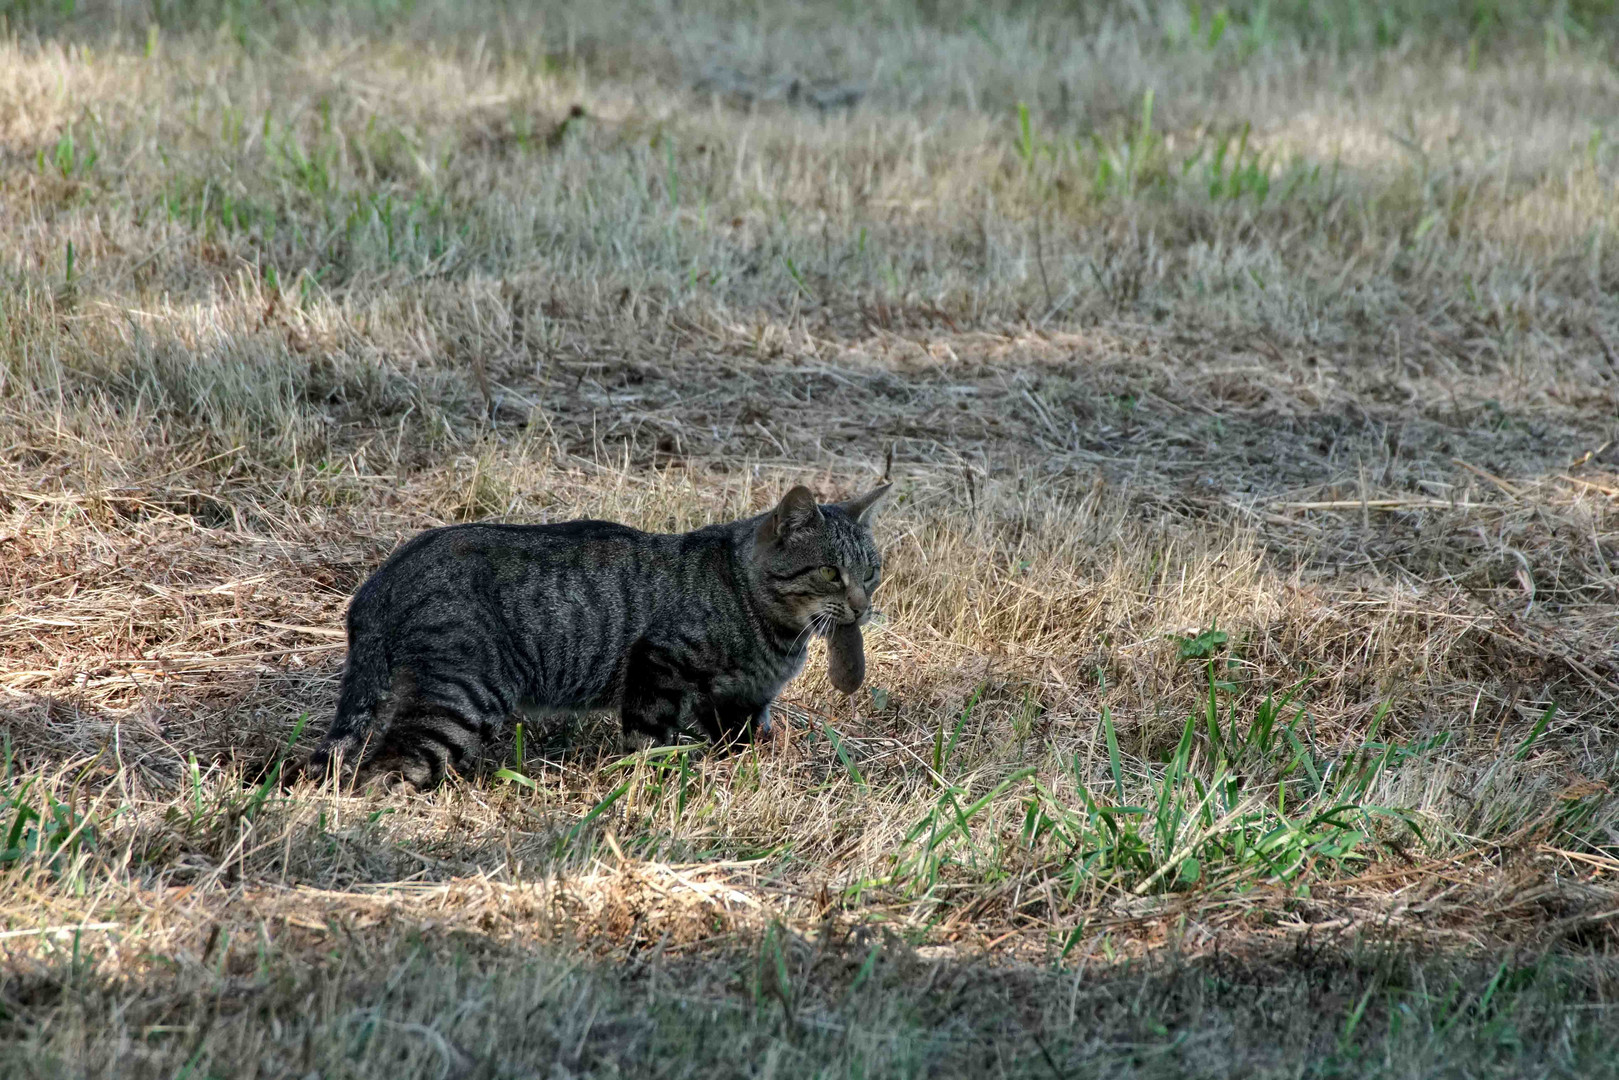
{"x": 467, "y": 624}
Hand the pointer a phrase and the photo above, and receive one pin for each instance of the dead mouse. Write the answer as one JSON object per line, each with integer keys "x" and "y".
{"x": 846, "y": 658}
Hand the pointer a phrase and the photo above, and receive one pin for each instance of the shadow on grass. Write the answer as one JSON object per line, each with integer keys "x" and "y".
{"x": 391, "y": 1001}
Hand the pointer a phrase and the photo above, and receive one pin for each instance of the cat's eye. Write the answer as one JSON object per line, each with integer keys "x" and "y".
{"x": 829, "y": 573}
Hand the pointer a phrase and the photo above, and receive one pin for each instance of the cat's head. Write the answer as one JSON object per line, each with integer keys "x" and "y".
{"x": 817, "y": 563}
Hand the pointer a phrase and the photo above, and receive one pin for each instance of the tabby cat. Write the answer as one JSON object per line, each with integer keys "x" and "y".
{"x": 465, "y": 625}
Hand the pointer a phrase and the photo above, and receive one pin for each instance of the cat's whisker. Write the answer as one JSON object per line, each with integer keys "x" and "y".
{"x": 811, "y": 628}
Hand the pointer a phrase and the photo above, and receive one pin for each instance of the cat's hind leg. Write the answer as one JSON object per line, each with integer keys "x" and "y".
{"x": 422, "y": 745}
{"x": 365, "y": 704}
{"x": 416, "y": 731}
{"x": 443, "y": 722}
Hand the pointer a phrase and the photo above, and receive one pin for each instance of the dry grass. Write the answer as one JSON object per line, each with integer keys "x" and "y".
{"x": 1313, "y": 348}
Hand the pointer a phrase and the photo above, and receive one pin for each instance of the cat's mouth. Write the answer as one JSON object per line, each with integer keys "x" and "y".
{"x": 825, "y": 622}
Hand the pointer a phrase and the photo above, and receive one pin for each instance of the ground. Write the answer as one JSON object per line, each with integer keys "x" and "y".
{"x": 1243, "y": 698}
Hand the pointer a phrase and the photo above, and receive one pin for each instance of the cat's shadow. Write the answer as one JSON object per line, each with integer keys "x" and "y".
{"x": 267, "y": 732}
{"x": 529, "y": 744}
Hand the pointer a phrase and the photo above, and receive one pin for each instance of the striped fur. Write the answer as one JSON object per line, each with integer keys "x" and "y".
{"x": 695, "y": 632}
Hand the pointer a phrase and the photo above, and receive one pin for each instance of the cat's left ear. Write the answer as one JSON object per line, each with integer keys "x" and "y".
{"x": 864, "y": 509}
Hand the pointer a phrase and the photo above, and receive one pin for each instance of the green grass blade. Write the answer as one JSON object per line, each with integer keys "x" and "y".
{"x": 950, "y": 751}
{"x": 515, "y": 777}
{"x": 1113, "y": 753}
{"x": 865, "y": 971}
{"x": 595, "y": 812}
{"x": 964, "y": 816}
{"x": 650, "y": 754}
{"x": 1535, "y": 733}
{"x": 843, "y": 756}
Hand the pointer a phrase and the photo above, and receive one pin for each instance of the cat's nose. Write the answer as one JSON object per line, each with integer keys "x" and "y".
{"x": 858, "y": 600}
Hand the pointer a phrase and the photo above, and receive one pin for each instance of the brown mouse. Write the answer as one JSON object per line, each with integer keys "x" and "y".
{"x": 846, "y": 658}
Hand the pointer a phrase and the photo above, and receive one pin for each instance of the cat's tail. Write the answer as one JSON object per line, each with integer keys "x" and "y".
{"x": 366, "y": 699}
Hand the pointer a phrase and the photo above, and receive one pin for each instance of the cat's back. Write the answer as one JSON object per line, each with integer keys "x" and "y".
{"x": 489, "y": 553}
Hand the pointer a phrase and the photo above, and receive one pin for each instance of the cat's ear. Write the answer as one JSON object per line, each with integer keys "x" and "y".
{"x": 797, "y": 510}
{"x": 864, "y": 509}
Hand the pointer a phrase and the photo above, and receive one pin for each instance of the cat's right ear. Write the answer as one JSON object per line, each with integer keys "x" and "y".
{"x": 864, "y": 509}
{"x": 797, "y": 510}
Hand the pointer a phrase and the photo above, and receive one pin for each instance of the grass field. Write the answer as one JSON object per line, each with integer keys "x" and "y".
{"x": 1245, "y": 699}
